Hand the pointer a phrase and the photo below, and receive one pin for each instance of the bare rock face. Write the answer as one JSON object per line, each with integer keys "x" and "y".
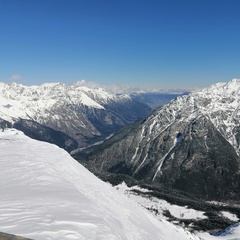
{"x": 203, "y": 164}
{"x": 190, "y": 144}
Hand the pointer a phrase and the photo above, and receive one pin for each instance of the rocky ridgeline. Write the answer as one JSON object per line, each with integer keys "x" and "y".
{"x": 70, "y": 116}
{"x": 191, "y": 144}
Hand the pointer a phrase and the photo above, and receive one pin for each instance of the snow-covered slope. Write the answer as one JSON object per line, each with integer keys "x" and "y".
{"x": 46, "y": 194}
{"x": 158, "y": 206}
{"x": 31, "y": 101}
{"x": 84, "y": 114}
{"x": 220, "y": 103}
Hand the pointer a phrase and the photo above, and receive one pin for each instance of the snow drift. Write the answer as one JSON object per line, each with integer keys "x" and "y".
{"x": 46, "y": 194}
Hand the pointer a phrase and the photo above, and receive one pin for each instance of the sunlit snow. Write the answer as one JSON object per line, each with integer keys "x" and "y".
{"x": 46, "y": 194}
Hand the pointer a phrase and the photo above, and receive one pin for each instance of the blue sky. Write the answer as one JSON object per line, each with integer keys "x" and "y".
{"x": 146, "y": 43}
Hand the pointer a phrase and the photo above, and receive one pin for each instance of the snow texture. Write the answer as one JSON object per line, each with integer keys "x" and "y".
{"x": 20, "y": 101}
{"x": 46, "y": 194}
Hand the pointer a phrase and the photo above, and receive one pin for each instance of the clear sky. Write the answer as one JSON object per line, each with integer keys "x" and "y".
{"x": 153, "y": 43}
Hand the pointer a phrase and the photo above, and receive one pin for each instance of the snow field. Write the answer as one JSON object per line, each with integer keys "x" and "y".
{"x": 158, "y": 206}
{"x": 46, "y": 194}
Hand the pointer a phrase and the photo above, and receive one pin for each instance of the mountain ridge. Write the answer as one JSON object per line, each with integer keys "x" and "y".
{"x": 192, "y": 134}
{"x": 85, "y": 115}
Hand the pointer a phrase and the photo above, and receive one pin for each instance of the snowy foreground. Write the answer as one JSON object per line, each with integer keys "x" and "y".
{"x": 46, "y": 194}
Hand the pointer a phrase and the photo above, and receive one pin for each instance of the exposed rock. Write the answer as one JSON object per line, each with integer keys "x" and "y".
{"x": 190, "y": 144}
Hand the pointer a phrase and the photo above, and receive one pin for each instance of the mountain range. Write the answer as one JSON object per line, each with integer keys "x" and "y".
{"x": 186, "y": 152}
{"x": 191, "y": 144}
{"x": 68, "y": 115}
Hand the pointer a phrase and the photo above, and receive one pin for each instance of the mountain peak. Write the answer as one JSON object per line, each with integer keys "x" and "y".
{"x": 195, "y": 133}
{"x": 224, "y": 88}
{"x": 86, "y": 115}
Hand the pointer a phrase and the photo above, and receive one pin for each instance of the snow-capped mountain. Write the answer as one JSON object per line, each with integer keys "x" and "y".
{"x": 191, "y": 144}
{"x": 84, "y": 115}
{"x": 46, "y": 194}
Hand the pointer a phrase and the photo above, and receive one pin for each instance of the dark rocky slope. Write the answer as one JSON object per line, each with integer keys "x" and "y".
{"x": 190, "y": 144}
